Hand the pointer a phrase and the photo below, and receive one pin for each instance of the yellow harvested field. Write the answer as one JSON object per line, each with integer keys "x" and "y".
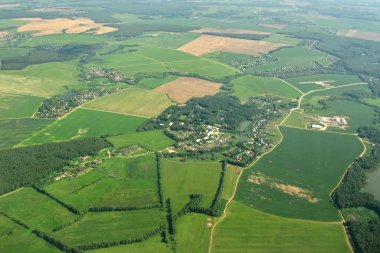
{"x": 183, "y": 89}
{"x": 132, "y": 101}
{"x": 63, "y": 25}
{"x": 4, "y": 33}
{"x": 206, "y": 44}
{"x": 353, "y": 33}
{"x": 232, "y": 31}
{"x": 275, "y": 26}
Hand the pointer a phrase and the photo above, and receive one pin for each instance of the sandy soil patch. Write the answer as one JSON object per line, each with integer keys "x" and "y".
{"x": 206, "y": 44}
{"x": 63, "y": 25}
{"x": 275, "y": 26}
{"x": 9, "y": 5}
{"x": 232, "y": 31}
{"x": 353, "y": 33}
{"x": 183, "y": 89}
{"x": 298, "y": 192}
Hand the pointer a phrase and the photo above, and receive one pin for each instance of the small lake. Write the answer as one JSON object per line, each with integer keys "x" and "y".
{"x": 373, "y": 184}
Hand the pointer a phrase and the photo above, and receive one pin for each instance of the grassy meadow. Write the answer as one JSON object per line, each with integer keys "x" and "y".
{"x": 133, "y": 101}
{"x": 14, "y": 106}
{"x": 251, "y": 86}
{"x": 153, "y": 83}
{"x": 83, "y": 123}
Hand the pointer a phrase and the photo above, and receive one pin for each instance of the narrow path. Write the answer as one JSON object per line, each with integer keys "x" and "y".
{"x": 224, "y": 215}
{"x": 121, "y": 113}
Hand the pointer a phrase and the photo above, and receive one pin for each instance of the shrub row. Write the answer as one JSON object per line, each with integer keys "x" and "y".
{"x": 121, "y": 209}
{"x": 57, "y": 243}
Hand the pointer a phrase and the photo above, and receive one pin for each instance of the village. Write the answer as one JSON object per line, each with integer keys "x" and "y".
{"x": 324, "y": 123}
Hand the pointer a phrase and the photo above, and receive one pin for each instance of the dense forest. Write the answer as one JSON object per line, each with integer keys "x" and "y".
{"x": 28, "y": 165}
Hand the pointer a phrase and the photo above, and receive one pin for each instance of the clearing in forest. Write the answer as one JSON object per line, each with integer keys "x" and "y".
{"x": 354, "y": 33}
{"x": 206, "y": 44}
{"x": 63, "y": 25}
{"x": 183, "y": 89}
{"x": 275, "y": 26}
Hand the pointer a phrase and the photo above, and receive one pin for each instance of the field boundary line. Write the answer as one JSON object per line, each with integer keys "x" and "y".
{"x": 9, "y": 193}
{"x": 126, "y": 114}
{"x": 291, "y": 85}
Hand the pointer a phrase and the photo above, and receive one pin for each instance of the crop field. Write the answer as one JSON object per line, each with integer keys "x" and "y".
{"x": 15, "y": 238}
{"x": 298, "y": 186}
{"x": 14, "y": 131}
{"x": 359, "y": 114}
{"x": 247, "y": 228}
{"x": 316, "y": 82}
{"x": 13, "y": 106}
{"x": 195, "y": 178}
{"x": 133, "y": 101}
{"x": 155, "y": 59}
{"x": 43, "y": 80}
{"x": 183, "y": 89}
{"x": 164, "y": 39}
{"x": 46, "y": 214}
{"x": 86, "y": 123}
{"x": 151, "y": 140}
{"x": 153, "y": 83}
{"x": 250, "y": 86}
{"x": 283, "y": 39}
{"x": 206, "y": 44}
{"x": 230, "y": 31}
{"x": 295, "y": 57}
{"x": 194, "y": 233}
{"x": 354, "y": 33}
{"x": 153, "y": 244}
{"x": 111, "y": 226}
{"x": 60, "y": 39}
{"x": 63, "y": 25}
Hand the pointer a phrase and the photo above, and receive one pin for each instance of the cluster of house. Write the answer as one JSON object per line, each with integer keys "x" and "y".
{"x": 112, "y": 74}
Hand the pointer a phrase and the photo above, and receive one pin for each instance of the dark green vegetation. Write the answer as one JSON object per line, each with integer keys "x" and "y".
{"x": 27, "y": 165}
{"x": 157, "y": 176}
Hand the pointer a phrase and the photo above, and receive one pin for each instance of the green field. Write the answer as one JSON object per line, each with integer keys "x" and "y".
{"x": 15, "y": 239}
{"x": 14, "y": 131}
{"x": 13, "y": 106}
{"x": 296, "y": 178}
{"x": 43, "y": 80}
{"x": 180, "y": 179}
{"x": 338, "y": 80}
{"x": 151, "y": 245}
{"x": 87, "y": 123}
{"x": 133, "y": 101}
{"x": 295, "y": 57}
{"x": 251, "y": 86}
{"x": 60, "y": 39}
{"x": 247, "y": 229}
{"x": 35, "y": 209}
{"x": 283, "y": 39}
{"x": 299, "y": 120}
{"x": 152, "y": 83}
{"x": 151, "y": 140}
{"x": 111, "y": 226}
{"x": 193, "y": 233}
{"x": 373, "y": 181}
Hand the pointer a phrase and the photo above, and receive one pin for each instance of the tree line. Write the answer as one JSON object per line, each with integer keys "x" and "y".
{"x": 28, "y": 165}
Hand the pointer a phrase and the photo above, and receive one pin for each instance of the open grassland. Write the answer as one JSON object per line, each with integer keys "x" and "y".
{"x": 14, "y": 239}
{"x": 87, "y": 123}
{"x": 111, "y": 226}
{"x": 249, "y": 230}
{"x": 354, "y": 33}
{"x": 230, "y": 179}
{"x": 373, "y": 181}
{"x": 152, "y": 83}
{"x": 151, "y": 140}
{"x": 156, "y": 59}
{"x": 43, "y": 80}
{"x": 62, "y": 39}
{"x": 230, "y": 31}
{"x": 360, "y": 115}
{"x": 164, "y": 39}
{"x": 299, "y": 120}
{"x": 296, "y": 178}
{"x": 63, "y": 25}
{"x": 206, "y": 44}
{"x": 315, "y": 82}
{"x": 283, "y": 39}
{"x": 13, "y": 106}
{"x": 151, "y": 245}
{"x": 133, "y": 101}
{"x": 14, "y": 131}
{"x": 193, "y": 233}
{"x": 180, "y": 179}
{"x": 250, "y": 86}
{"x": 183, "y": 89}
{"x": 295, "y": 57}
{"x": 35, "y": 209}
